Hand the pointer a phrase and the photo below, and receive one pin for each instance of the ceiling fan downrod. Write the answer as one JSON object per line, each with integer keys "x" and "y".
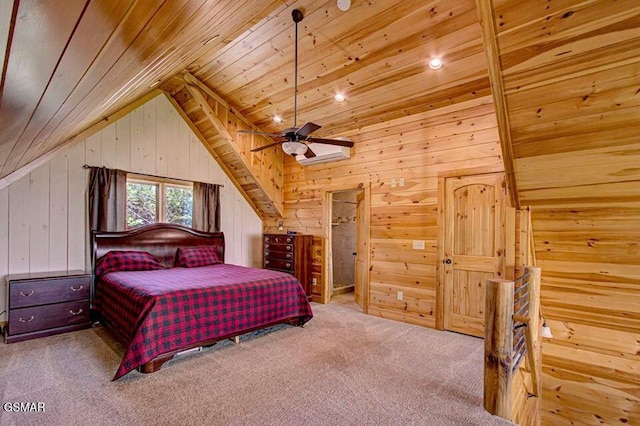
{"x": 297, "y": 16}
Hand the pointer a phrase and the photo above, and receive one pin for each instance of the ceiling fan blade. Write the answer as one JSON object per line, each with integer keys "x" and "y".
{"x": 307, "y": 129}
{"x": 251, "y": 132}
{"x": 338, "y": 142}
{"x": 260, "y": 148}
{"x": 309, "y": 154}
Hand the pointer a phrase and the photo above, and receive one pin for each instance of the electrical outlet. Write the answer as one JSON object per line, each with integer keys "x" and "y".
{"x": 314, "y": 281}
{"x": 418, "y": 244}
{"x": 393, "y": 183}
{"x": 401, "y": 182}
{"x": 400, "y": 295}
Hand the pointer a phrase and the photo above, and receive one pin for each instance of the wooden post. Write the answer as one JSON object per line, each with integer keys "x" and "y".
{"x": 498, "y": 346}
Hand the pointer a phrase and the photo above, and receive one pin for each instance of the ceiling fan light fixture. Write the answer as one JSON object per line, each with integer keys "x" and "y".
{"x": 294, "y": 148}
{"x": 339, "y": 97}
{"x": 344, "y": 5}
{"x": 435, "y": 63}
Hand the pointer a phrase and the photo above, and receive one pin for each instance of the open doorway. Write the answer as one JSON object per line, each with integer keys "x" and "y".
{"x": 348, "y": 247}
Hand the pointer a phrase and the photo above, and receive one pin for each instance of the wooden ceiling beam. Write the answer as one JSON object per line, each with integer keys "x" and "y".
{"x": 487, "y": 23}
{"x": 263, "y": 178}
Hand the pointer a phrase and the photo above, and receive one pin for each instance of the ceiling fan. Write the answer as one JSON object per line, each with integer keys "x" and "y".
{"x": 295, "y": 139}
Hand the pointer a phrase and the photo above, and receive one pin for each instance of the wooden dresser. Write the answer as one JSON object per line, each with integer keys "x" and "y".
{"x": 43, "y": 304}
{"x": 289, "y": 253}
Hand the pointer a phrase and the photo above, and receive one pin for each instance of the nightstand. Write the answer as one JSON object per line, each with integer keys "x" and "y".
{"x": 46, "y": 303}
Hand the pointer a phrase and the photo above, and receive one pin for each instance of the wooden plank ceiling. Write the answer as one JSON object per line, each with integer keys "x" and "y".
{"x": 68, "y": 67}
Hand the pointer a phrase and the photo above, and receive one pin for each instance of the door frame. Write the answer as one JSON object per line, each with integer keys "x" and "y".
{"x": 327, "y": 270}
{"x": 442, "y": 176}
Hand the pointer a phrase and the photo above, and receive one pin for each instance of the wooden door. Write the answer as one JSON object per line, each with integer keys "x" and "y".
{"x": 474, "y": 242}
{"x": 361, "y": 251}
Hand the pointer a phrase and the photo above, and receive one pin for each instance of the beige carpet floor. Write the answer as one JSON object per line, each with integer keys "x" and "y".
{"x": 342, "y": 368}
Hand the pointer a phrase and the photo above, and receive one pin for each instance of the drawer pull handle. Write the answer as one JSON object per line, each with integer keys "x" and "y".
{"x": 76, "y": 288}
{"x": 288, "y": 240}
{"x": 266, "y": 253}
{"x": 31, "y": 318}
{"x": 288, "y": 255}
{"x": 76, "y": 313}
{"x": 27, "y": 294}
{"x": 288, "y": 265}
{"x": 266, "y": 261}
{"x": 266, "y": 245}
{"x": 288, "y": 247}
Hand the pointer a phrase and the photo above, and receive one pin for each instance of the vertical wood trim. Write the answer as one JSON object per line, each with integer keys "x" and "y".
{"x": 498, "y": 345}
{"x": 510, "y": 244}
{"x": 327, "y": 285}
{"x": 485, "y": 14}
{"x": 535, "y": 351}
{"x": 367, "y": 236}
{"x": 439, "y": 265}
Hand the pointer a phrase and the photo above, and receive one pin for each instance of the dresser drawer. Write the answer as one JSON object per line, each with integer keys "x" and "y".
{"x": 284, "y": 265}
{"x": 41, "y": 292}
{"x": 275, "y": 255}
{"x": 278, "y": 239}
{"x": 34, "y": 318}
{"x": 278, "y": 247}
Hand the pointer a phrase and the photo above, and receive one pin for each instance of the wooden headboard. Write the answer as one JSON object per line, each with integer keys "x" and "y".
{"x": 160, "y": 239}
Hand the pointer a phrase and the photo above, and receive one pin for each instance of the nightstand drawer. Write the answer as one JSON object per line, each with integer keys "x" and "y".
{"x": 35, "y": 318}
{"x": 271, "y": 255}
{"x": 41, "y": 292}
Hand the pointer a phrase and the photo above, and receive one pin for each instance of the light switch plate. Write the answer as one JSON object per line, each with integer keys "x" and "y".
{"x": 418, "y": 244}
{"x": 393, "y": 183}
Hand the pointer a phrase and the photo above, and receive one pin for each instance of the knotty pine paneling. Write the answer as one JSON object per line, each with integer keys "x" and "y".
{"x": 590, "y": 287}
{"x": 417, "y": 149}
{"x": 570, "y": 74}
{"x": 43, "y": 215}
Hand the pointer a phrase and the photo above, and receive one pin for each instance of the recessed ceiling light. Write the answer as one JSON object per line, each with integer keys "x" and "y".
{"x": 340, "y": 97}
{"x": 344, "y": 5}
{"x": 435, "y": 63}
{"x": 277, "y": 119}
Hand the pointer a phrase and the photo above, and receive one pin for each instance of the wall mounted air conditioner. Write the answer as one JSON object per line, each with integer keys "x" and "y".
{"x": 325, "y": 153}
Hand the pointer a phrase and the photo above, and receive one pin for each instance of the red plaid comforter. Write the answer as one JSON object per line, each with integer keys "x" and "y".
{"x": 163, "y": 310}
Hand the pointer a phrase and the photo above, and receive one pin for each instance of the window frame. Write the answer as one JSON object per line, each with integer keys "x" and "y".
{"x": 161, "y": 185}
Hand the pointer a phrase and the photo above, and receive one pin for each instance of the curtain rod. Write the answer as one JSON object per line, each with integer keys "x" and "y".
{"x": 86, "y": 166}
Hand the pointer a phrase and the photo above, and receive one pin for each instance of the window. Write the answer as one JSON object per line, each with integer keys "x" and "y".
{"x": 151, "y": 200}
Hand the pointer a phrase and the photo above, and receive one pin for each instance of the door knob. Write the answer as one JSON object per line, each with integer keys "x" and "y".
{"x": 447, "y": 261}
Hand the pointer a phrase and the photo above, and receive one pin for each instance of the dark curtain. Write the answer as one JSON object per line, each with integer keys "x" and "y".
{"x": 107, "y": 199}
{"x": 206, "y": 207}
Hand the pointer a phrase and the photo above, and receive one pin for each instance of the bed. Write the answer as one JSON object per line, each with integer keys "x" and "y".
{"x": 157, "y": 309}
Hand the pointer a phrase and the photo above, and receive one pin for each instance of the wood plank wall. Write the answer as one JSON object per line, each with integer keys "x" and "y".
{"x": 570, "y": 70}
{"x": 590, "y": 258}
{"x": 415, "y": 148}
{"x": 43, "y": 215}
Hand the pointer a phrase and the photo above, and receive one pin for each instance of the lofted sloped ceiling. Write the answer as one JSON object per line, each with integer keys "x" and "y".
{"x": 569, "y": 73}
{"x": 69, "y": 66}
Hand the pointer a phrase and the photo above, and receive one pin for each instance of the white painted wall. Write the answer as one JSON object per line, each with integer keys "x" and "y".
{"x": 43, "y": 216}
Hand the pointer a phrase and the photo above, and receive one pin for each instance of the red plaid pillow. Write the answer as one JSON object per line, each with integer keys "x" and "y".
{"x": 193, "y": 257}
{"x": 127, "y": 261}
